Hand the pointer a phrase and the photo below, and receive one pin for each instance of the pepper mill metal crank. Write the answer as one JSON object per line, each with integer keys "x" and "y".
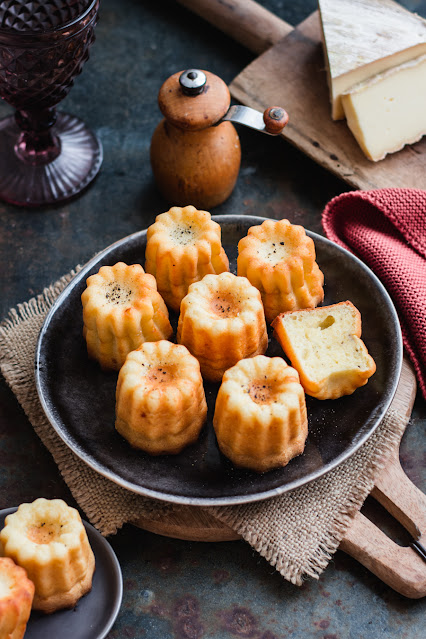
{"x": 195, "y": 149}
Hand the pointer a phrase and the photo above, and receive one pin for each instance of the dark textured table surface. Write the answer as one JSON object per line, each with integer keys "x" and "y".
{"x": 174, "y": 588}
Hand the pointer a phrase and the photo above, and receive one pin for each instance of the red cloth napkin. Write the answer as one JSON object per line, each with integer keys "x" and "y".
{"x": 386, "y": 228}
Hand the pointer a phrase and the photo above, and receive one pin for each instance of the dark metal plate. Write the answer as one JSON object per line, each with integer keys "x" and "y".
{"x": 95, "y": 613}
{"x": 79, "y": 399}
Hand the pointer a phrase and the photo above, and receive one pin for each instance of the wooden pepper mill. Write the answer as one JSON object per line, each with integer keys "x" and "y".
{"x": 195, "y": 150}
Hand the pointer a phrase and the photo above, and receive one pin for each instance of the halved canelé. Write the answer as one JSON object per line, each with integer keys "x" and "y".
{"x": 122, "y": 309}
{"x": 260, "y": 415}
{"x": 16, "y": 597}
{"x": 279, "y": 259}
{"x": 324, "y": 345}
{"x": 160, "y": 401}
{"x": 183, "y": 245}
{"x": 48, "y": 539}
{"x": 222, "y": 321}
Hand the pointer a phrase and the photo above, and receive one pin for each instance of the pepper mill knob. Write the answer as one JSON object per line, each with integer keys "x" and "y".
{"x": 192, "y": 81}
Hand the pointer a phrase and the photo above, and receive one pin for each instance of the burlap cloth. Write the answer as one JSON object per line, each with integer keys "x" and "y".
{"x": 297, "y": 532}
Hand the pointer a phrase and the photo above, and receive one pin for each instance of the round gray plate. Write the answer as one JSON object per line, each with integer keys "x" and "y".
{"x": 95, "y": 613}
{"x": 79, "y": 399}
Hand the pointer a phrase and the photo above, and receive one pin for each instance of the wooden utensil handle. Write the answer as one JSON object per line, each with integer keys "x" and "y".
{"x": 245, "y": 21}
{"x": 394, "y": 490}
{"x": 401, "y": 568}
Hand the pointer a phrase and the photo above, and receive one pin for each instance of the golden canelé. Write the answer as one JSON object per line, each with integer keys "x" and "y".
{"x": 160, "y": 401}
{"x": 260, "y": 415}
{"x": 122, "y": 309}
{"x": 222, "y": 321}
{"x": 183, "y": 245}
{"x": 48, "y": 539}
{"x": 16, "y": 597}
{"x": 279, "y": 259}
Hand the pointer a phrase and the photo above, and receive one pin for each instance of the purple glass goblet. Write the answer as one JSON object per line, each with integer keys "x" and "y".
{"x": 45, "y": 156}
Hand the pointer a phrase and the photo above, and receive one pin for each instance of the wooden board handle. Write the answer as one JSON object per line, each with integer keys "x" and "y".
{"x": 401, "y": 568}
{"x": 245, "y": 21}
{"x": 394, "y": 490}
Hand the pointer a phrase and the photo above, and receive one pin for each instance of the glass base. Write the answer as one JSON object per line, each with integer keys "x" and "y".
{"x": 67, "y": 175}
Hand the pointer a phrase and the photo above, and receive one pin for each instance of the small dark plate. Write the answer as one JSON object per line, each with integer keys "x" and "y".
{"x": 95, "y": 613}
{"x": 79, "y": 399}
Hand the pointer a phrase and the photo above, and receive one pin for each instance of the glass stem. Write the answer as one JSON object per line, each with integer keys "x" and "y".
{"x": 37, "y": 144}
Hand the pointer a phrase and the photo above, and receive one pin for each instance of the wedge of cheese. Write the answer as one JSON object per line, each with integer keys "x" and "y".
{"x": 388, "y": 111}
{"x": 364, "y": 38}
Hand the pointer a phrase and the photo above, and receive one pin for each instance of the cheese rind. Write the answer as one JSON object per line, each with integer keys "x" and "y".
{"x": 388, "y": 111}
{"x": 363, "y": 38}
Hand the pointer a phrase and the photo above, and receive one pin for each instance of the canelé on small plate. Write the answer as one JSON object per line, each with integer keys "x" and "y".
{"x": 48, "y": 539}
{"x": 16, "y": 597}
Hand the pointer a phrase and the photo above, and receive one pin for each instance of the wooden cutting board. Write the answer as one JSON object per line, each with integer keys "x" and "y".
{"x": 399, "y": 567}
{"x": 291, "y": 73}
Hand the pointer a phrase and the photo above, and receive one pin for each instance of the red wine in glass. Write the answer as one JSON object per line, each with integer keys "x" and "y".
{"x": 45, "y": 156}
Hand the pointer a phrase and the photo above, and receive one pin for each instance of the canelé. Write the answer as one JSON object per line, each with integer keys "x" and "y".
{"x": 48, "y": 539}
{"x": 279, "y": 259}
{"x": 16, "y": 597}
{"x": 222, "y": 321}
{"x": 324, "y": 345}
{"x": 160, "y": 401}
{"x": 122, "y": 308}
{"x": 183, "y": 245}
{"x": 260, "y": 415}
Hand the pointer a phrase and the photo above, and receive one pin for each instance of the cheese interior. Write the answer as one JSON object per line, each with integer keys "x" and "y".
{"x": 388, "y": 111}
{"x": 363, "y": 38}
